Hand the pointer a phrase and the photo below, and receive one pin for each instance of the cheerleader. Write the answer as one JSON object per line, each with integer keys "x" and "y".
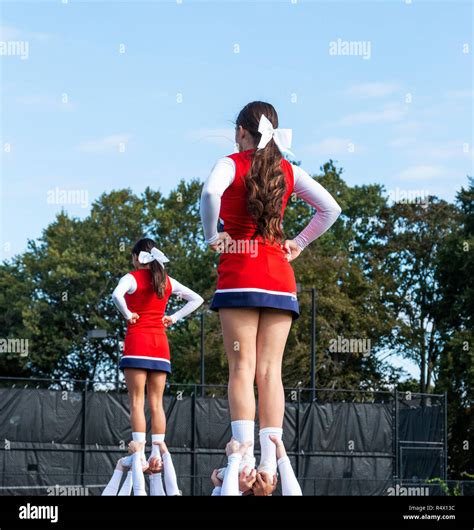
{"x": 256, "y": 288}
{"x": 141, "y": 296}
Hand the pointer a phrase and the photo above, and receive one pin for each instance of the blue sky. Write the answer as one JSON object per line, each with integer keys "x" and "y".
{"x": 135, "y": 94}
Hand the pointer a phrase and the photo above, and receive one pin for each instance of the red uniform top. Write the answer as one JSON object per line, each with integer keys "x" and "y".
{"x": 146, "y": 344}
{"x": 252, "y": 273}
{"x": 145, "y": 302}
{"x": 237, "y": 221}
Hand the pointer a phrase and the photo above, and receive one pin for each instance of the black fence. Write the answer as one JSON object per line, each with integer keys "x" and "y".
{"x": 340, "y": 442}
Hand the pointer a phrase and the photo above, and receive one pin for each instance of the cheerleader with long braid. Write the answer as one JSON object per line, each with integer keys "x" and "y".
{"x": 256, "y": 287}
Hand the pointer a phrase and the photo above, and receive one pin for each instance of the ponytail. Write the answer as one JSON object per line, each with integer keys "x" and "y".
{"x": 158, "y": 275}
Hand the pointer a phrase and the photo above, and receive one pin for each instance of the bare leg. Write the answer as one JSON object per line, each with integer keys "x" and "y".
{"x": 273, "y": 329}
{"x": 136, "y": 379}
{"x": 239, "y": 328}
{"x": 155, "y": 385}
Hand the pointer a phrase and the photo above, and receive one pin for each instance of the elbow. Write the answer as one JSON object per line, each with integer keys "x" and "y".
{"x": 200, "y": 300}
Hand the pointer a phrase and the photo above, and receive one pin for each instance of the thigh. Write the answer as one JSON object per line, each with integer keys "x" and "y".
{"x": 239, "y": 329}
{"x": 135, "y": 379}
{"x": 273, "y": 329}
{"x": 155, "y": 384}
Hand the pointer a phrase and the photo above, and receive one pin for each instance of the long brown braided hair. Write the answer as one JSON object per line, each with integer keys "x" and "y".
{"x": 265, "y": 182}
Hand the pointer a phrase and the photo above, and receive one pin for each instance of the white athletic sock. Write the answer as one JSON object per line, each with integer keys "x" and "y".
{"x": 156, "y": 485}
{"x": 126, "y": 488}
{"x": 155, "y": 449}
{"x": 140, "y": 437}
{"x": 114, "y": 483}
{"x": 268, "y": 461}
{"x": 244, "y": 431}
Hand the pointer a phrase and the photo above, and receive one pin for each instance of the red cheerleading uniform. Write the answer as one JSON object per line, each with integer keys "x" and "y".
{"x": 146, "y": 345}
{"x": 256, "y": 275}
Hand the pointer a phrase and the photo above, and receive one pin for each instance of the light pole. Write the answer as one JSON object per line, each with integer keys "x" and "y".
{"x": 104, "y": 334}
{"x": 312, "y": 290}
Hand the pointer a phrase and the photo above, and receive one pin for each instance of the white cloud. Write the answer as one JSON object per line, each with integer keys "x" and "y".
{"x": 107, "y": 144}
{"x": 37, "y": 100}
{"x": 424, "y": 150}
{"x": 334, "y": 146}
{"x": 10, "y": 33}
{"x": 409, "y": 126}
{"x": 401, "y": 142}
{"x": 390, "y": 113}
{"x": 460, "y": 94}
{"x": 423, "y": 172}
{"x": 372, "y": 90}
{"x": 223, "y": 137}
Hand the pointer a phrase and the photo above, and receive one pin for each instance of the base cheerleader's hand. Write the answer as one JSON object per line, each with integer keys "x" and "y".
{"x": 133, "y": 319}
{"x": 215, "y": 479}
{"x": 280, "y": 448}
{"x": 223, "y": 238}
{"x": 292, "y": 249}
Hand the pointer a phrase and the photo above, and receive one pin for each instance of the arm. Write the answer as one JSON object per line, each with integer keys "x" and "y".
{"x": 138, "y": 477}
{"x": 327, "y": 209}
{"x": 289, "y": 484}
{"x": 156, "y": 485}
{"x": 193, "y": 299}
{"x": 114, "y": 483}
{"x": 126, "y": 488}
{"x": 221, "y": 177}
{"x": 127, "y": 284}
{"x": 230, "y": 485}
{"x": 171, "y": 481}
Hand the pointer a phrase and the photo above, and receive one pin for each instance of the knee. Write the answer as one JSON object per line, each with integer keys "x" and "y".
{"x": 136, "y": 403}
{"x": 268, "y": 374}
{"x": 156, "y": 406}
{"x": 243, "y": 369}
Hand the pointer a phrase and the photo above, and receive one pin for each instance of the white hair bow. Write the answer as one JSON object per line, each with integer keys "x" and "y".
{"x": 154, "y": 254}
{"x": 282, "y": 137}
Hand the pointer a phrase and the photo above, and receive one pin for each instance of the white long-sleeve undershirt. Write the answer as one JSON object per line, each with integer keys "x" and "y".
{"x": 128, "y": 285}
{"x": 137, "y": 474}
{"x": 289, "y": 484}
{"x": 230, "y": 484}
{"x": 156, "y": 485}
{"x": 126, "y": 488}
{"x": 171, "y": 481}
{"x": 114, "y": 483}
{"x": 222, "y": 176}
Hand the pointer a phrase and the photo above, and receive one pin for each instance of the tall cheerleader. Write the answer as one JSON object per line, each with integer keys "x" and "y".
{"x": 141, "y": 296}
{"x": 256, "y": 289}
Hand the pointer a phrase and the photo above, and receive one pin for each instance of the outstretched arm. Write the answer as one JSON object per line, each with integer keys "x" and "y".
{"x": 327, "y": 209}
{"x": 114, "y": 483}
{"x": 221, "y": 177}
{"x": 193, "y": 299}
